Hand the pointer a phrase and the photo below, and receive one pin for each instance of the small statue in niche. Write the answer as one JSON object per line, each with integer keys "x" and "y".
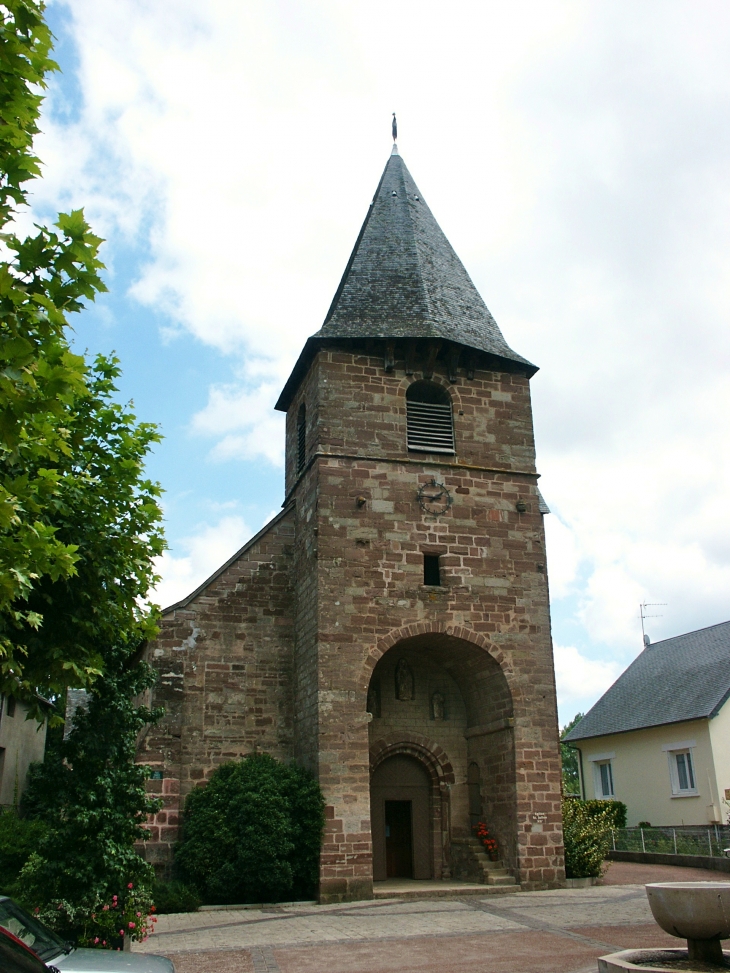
{"x": 374, "y": 698}
{"x": 438, "y": 706}
{"x": 404, "y": 688}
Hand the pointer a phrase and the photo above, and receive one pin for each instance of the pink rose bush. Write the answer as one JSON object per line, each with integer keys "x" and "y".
{"x": 105, "y": 925}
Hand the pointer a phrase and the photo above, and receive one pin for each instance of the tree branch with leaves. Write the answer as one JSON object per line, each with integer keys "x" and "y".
{"x": 80, "y": 524}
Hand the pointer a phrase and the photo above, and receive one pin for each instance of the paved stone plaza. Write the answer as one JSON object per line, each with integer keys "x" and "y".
{"x": 558, "y": 930}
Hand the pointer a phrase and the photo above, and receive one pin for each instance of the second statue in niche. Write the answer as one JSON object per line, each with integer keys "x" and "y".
{"x": 373, "y": 703}
{"x": 438, "y": 706}
{"x": 404, "y": 688}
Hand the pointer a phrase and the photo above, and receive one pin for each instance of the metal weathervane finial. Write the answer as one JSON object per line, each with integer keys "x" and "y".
{"x": 395, "y": 128}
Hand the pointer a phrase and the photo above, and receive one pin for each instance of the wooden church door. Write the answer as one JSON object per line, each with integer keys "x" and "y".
{"x": 400, "y": 814}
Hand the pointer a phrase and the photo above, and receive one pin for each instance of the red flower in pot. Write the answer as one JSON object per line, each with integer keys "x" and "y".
{"x": 490, "y": 844}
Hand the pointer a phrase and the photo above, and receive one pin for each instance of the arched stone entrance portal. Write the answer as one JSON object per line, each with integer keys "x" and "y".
{"x": 441, "y": 757}
{"x": 401, "y": 819}
{"x": 418, "y": 763}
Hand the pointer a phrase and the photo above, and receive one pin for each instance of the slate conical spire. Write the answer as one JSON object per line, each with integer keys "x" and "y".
{"x": 404, "y": 281}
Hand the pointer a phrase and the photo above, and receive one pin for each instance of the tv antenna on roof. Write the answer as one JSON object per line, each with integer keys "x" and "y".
{"x": 642, "y": 614}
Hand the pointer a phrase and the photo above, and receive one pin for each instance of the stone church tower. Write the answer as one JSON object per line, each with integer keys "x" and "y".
{"x": 390, "y": 628}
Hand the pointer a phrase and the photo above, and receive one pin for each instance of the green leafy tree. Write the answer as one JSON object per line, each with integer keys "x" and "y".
{"x": 569, "y": 757}
{"x": 106, "y": 507}
{"x": 80, "y": 526}
{"x": 90, "y": 795}
{"x": 19, "y": 838}
{"x": 253, "y": 833}
{"x": 79, "y": 523}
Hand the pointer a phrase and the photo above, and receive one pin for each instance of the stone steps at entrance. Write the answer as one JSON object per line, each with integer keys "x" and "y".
{"x": 500, "y": 877}
{"x": 411, "y": 888}
{"x": 493, "y": 873}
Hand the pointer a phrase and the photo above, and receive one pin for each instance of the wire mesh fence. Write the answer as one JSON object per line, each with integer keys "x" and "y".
{"x": 712, "y": 841}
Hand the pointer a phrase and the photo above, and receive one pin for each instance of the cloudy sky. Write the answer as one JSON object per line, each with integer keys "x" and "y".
{"x": 577, "y": 155}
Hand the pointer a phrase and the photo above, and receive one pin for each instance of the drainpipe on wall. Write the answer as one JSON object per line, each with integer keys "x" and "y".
{"x": 580, "y": 771}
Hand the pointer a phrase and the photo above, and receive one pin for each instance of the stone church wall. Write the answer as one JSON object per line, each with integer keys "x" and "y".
{"x": 279, "y": 650}
{"x": 224, "y": 659}
{"x": 367, "y": 536}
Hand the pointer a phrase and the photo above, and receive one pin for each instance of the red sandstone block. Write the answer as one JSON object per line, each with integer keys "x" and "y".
{"x": 328, "y": 871}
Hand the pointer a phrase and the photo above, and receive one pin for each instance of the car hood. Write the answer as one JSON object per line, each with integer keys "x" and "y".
{"x": 111, "y": 961}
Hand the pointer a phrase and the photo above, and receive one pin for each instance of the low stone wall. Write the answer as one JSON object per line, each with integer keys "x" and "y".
{"x": 682, "y": 861}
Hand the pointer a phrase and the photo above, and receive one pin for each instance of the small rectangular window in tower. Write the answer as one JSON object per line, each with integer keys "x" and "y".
{"x": 431, "y": 569}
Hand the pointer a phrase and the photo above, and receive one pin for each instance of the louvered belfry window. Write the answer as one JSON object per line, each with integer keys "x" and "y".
{"x": 301, "y": 437}
{"x": 430, "y": 419}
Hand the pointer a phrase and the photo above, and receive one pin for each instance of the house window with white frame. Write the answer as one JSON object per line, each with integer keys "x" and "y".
{"x": 682, "y": 772}
{"x": 604, "y": 779}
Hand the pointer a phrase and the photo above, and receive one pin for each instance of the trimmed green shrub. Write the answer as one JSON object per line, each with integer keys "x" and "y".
{"x": 253, "y": 834}
{"x": 615, "y": 810}
{"x": 175, "y": 896}
{"x": 19, "y": 838}
{"x": 587, "y": 837}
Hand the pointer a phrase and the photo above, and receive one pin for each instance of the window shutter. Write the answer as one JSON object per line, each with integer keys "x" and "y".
{"x": 430, "y": 427}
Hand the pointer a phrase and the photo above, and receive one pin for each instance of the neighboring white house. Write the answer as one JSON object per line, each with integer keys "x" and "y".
{"x": 22, "y": 742}
{"x": 659, "y": 739}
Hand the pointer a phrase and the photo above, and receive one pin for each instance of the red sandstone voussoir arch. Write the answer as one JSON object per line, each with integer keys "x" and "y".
{"x": 396, "y": 635}
{"x": 452, "y": 390}
{"x": 426, "y": 751}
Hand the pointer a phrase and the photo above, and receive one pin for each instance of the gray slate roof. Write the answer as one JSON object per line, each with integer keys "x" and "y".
{"x": 404, "y": 280}
{"x": 684, "y": 678}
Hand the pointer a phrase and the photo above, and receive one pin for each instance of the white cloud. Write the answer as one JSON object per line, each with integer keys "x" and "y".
{"x": 563, "y": 556}
{"x": 647, "y": 521}
{"x": 199, "y": 556}
{"x": 580, "y": 680}
{"x": 244, "y": 422}
{"x": 578, "y": 157}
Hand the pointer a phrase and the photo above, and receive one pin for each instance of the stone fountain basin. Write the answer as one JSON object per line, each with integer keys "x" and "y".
{"x": 656, "y": 961}
{"x": 691, "y": 910}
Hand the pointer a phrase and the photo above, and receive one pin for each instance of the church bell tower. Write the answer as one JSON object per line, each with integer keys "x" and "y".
{"x": 423, "y": 694}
